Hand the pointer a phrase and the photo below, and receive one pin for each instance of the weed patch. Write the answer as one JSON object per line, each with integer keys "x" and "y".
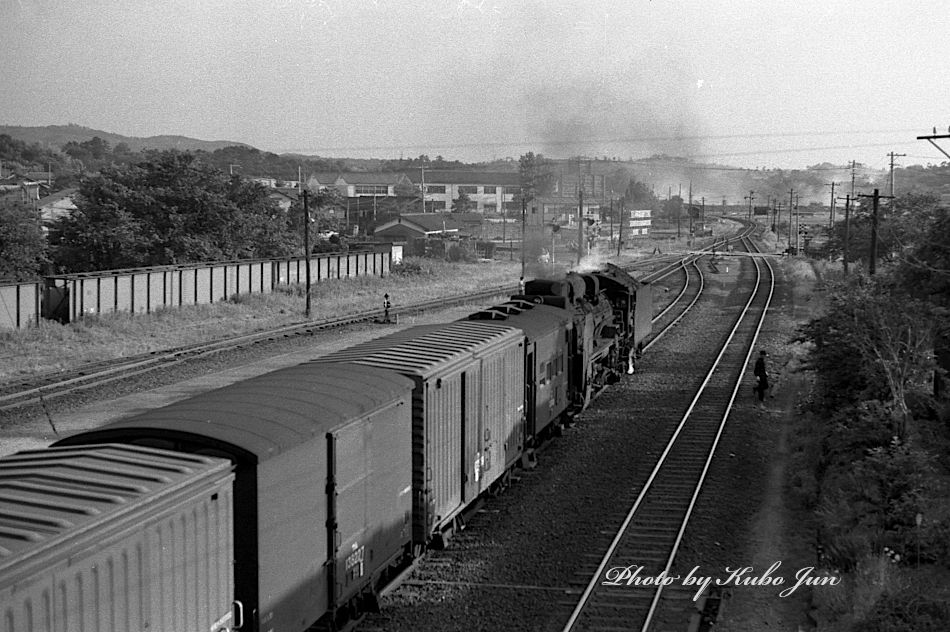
{"x": 55, "y": 347}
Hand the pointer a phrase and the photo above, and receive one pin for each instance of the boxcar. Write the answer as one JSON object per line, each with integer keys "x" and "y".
{"x": 547, "y": 335}
{"x": 468, "y": 411}
{"x": 111, "y": 538}
{"x": 323, "y": 488}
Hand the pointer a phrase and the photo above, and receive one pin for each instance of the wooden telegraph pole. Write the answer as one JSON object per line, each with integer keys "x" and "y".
{"x": 524, "y": 212}
{"x": 620, "y": 231}
{"x": 306, "y": 247}
{"x": 831, "y": 215}
{"x": 872, "y": 255}
{"x": 580, "y": 224}
{"x": 847, "y": 229}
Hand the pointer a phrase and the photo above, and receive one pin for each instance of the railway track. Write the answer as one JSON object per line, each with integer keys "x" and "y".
{"x": 643, "y": 550}
{"x": 530, "y": 554}
{"x": 38, "y": 389}
{"x": 18, "y": 393}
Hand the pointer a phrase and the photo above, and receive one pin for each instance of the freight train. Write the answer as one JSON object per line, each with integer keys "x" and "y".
{"x": 286, "y": 501}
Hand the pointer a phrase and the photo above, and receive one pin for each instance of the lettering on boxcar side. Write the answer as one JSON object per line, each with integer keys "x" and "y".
{"x": 354, "y": 562}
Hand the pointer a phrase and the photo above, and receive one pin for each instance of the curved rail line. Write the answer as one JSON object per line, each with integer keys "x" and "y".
{"x": 654, "y": 526}
{"x": 692, "y": 287}
{"x": 36, "y": 389}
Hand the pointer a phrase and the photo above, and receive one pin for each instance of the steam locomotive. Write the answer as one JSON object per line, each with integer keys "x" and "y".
{"x": 289, "y": 499}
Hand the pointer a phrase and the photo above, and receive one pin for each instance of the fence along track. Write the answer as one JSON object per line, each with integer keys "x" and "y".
{"x": 17, "y": 393}
{"x": 55, "y": 385}
{"x": 653, "y": 528}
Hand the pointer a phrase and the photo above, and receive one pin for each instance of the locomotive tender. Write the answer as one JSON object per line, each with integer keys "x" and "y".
{"x": 345, "y": 468}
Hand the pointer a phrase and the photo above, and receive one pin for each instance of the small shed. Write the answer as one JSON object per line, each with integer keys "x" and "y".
{"x": 418, "y": 226}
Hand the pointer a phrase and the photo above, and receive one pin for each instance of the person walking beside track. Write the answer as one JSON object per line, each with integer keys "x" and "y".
{"x": 761, "y": 372}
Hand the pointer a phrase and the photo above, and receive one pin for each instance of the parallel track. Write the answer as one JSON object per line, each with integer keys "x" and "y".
{"x": 36, "y": 389}
{"x": 649, "y": 538}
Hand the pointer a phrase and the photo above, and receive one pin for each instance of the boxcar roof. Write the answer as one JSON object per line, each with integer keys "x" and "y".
{"x": 426, "y": 350}
{"x": 535, "y": 322}
{"x": 49, "y": 496}
{"x": 271, "y": 413}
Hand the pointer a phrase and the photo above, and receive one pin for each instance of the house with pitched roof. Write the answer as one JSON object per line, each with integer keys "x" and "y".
{"x": 59, "y": 204}
{"x": 283, "y": 196}
{"x": 319, "y": 181}
{"x": 418, "y": 226}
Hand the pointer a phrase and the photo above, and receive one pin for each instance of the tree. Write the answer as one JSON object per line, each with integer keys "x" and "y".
{"x": 874, "y": 342}
{"x": 639, "y": 196}
{"x": 170, "y": 208}
{"x": 22, "y": 244}
{"x": 673, "y": 208}
{"x": 95, "y": 149}
{"x": 462, "y": 203}
{"x": 100, "y": 236}
{"x": 320, "y": 203}
{"x": 896, "y": 334}
{"x": 536, "y": 176}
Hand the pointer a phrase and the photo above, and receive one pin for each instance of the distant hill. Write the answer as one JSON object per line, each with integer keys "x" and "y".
{"x": 55, "y": 136}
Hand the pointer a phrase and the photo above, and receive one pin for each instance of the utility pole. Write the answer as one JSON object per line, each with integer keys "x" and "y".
{"x": 847, "y": 230}
{"x": 423, "y": 188}
{"x": 750, "y": 197}
{"x": 679, "y": 212}
{"x": 853, "y": 165}
{"x": 504, "y": 220}
{"x": 580, "y": 224}
{"x": 620, "y": 232}
{"x": 893, "y": 155}
{"x": 798, "y": 226}
{"x": 791, "y": 195}
{"x": 306, "y": 246}
{"x": 702, "y": 213}
{"x": 611, "y": 218}
{"x": 690, "y": 208}
{"x": 524, "y": 212}
{"x": 831, "y": 215}
{"x": 930, "y": 139}
{"x": 872, "y": 255}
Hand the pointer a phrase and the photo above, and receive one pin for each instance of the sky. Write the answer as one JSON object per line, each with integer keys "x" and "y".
{"x": 766, "y": 83}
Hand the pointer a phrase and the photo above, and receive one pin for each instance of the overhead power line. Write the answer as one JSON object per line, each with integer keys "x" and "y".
{"x": 431, "y": 146}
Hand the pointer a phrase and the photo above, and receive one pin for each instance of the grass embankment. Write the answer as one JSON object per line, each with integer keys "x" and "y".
{"x": 52, "y": 346}
{"x": 879, "y": 499}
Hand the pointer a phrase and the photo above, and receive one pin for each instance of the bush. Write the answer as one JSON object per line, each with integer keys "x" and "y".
{"x": 486, "y": 247}
{"x": 906, "y": 611}
{"x": 412, "y": 266}
{"x": 457, "y": 254}
{"x": 873, "y": 502}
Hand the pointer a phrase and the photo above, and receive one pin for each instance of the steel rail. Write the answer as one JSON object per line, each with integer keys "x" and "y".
{"x": 90, "y": 376}
{"x": 722, "y": 424}
{"x": 595, "y": 579}
{"x": 52, "y": 385}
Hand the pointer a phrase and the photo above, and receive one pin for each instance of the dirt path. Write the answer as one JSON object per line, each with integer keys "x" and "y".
{"x": 780, "y": 531}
